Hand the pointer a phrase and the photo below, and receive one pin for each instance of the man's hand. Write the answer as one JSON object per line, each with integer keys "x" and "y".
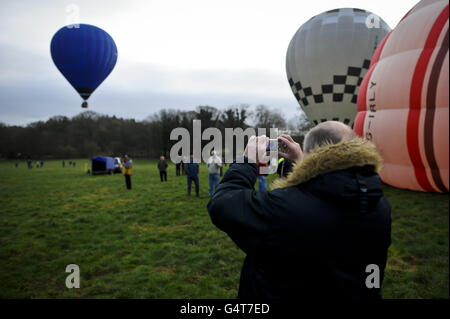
{"x": 256, "y": 149}
{"x": 294, "y": 153}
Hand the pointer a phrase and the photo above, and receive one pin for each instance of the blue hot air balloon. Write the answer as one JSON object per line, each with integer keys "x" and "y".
{"x": 85, "y": 55}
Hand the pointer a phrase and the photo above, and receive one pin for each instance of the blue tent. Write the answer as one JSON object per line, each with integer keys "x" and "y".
{"x": 102, "y": 165}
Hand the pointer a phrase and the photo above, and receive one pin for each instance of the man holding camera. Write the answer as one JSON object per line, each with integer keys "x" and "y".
{"x": 320, "y": 229}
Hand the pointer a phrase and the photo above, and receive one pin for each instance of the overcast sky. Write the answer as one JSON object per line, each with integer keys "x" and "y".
{"x": 172, "y": 53}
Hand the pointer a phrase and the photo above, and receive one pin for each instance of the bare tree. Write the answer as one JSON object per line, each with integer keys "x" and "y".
{"x": 299, "y": 122}
{"x": 264, "y": 117}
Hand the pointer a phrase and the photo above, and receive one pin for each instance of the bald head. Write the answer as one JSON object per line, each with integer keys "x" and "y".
{"x": 330, "y": 132}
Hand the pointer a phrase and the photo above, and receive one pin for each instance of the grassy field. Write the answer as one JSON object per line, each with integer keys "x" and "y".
{"x": 155, "y": 242}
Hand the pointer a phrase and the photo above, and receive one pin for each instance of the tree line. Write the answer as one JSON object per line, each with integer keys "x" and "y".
{"x": 90, "y": 134}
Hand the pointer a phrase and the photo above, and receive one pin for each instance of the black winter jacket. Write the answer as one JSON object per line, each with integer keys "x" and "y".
{"x": 315, "y": 234}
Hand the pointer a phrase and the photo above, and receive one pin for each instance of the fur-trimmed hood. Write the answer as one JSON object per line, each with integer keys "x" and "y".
{"x": 330, "y": 158}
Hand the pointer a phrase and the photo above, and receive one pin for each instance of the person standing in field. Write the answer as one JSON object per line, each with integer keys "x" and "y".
{"x": 224, "y": 164}
{"x": 184, "y": 163}
{"x": 214, "y": 164}
{"x": 262, "y": 182}
{"x": 127, "y": 170}
{"x": 284, "y": 167}
{"x": 192, "y": 176}
{"x": 63, "y": 164}
{"x": 162, "y": 166}
{"x": 178, "y": 169}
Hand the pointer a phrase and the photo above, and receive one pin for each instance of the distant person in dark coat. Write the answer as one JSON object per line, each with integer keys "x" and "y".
{"x": 192, "y": 176}
{"x": 320, "y": 229}
{"x": 162, "y": 166}
{"x": 63, "y": 163}
{"x": 184, "y": 162}
{"x": 42, "y": 163}
{"x": 178, "y": 168}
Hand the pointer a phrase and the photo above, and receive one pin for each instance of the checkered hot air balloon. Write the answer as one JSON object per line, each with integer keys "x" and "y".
{"x": 327, "y": 59}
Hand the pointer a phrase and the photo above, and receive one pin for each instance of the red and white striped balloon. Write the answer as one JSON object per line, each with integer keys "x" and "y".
{"x": 404, "y": 99}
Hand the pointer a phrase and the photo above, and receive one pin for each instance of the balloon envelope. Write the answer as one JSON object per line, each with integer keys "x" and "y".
{"x": 327, "y": 59}
{"x": 403, "y": 100}
{"x": 85, "y": 55}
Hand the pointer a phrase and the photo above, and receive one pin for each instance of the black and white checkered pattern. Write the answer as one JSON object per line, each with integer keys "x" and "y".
{"x": 336, "y": 12}
{"x": 342, "y": 84}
